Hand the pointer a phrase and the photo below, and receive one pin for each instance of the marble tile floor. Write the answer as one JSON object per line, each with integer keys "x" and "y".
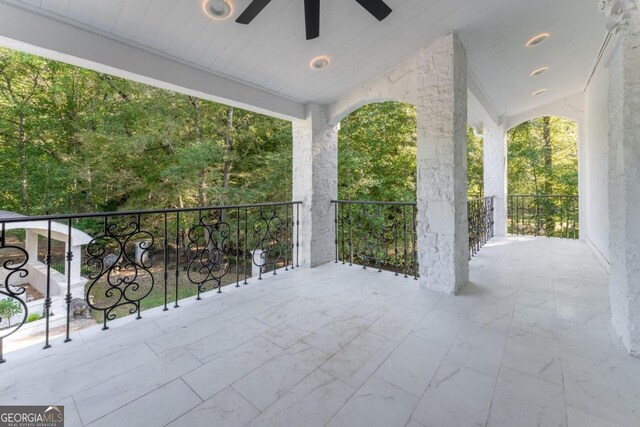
{"x": 528, "y": 343}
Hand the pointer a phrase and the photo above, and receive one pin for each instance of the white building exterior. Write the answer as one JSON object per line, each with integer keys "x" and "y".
{"x": 457, "y": 62}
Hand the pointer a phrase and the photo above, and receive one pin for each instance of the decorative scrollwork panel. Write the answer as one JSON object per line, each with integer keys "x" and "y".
{"x": 121, "y": 276}
{"x": 209, "y": 248}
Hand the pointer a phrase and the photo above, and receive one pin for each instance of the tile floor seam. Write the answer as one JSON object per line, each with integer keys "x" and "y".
{"x": 373, "y": 374}
{"x": 495, "y": 385}
{"x": 92, "y": 385}
{"x": 444, "y": 357}
{"x": 244, "y": 397}
{"x": 355, "y": 391}
{"x": 189, "y": 410}
{"x": 562, "y": 376}
{"x": 141, "y": 396}
{"x": 73, "y": 399}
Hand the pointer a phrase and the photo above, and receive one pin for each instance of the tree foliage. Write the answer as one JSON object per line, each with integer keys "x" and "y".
{"x": 74, "y": 140}
{"x": 543, "y": 157}
{"x": 8, "y": 309}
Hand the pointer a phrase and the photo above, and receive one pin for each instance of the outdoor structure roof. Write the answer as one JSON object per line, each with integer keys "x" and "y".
{"x": 265, "y": 66}
{"x": 59, "y": 231}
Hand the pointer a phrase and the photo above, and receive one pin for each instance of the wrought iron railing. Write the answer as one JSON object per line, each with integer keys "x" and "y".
{"x": 544, "y": 215}
{"x": 143, "y": 259}
{"x": 481, "y": 225}
{"x": 382, "y": 235}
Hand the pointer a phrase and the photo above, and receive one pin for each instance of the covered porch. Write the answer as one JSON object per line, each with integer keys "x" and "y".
{"x": 527, "y": 342}
{"x": 533, "y": 331}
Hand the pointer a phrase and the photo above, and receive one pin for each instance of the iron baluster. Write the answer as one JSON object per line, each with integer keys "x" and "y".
{"x": 335, "y": 225}
{"x": 175, "y": 305}
{"x": 166, "y": 262}
{"x": 47, "y": 301}
{"x": 68, "y": 296}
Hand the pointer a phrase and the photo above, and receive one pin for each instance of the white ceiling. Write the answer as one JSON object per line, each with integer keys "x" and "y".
{"x": 272, "y": 52}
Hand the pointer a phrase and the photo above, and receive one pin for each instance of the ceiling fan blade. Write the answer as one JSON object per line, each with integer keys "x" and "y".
{"x": 252, "y": 11}
{"x": 312, "y": 18}
{"x": 377, "y": 8}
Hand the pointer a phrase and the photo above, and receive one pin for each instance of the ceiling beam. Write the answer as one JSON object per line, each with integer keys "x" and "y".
{"x": 32, "y": 32}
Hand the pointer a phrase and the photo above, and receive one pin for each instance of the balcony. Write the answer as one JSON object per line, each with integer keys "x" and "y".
{"x": 528, "y": 341}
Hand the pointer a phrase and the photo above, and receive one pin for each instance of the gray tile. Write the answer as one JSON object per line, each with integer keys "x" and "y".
{"x": 478, "y": 348}
{"x": 535, "y": 355}
{"x": 602, "y": 389}
{"x": 355, "y": 363}
{"x": 457, "y": 396}
{"x": 157, "y": 408}
{"x": 337, "y": 333}
{"x": 412, "y": 365}
{"x": 95, "y": 402}
{"x": 227, "y": 408}
{"x": 311, "y": 403}
{"x": 523, "y": 400}
{"x": 272, "y": 380}
{"x": 221, "y": 372}
{"x": 578, "y": 418}
{"x": 376, "y": 403}
{"x": 226, "y": 338}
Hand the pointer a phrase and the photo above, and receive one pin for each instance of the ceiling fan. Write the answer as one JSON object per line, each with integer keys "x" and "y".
{"x": 378, "y": 8}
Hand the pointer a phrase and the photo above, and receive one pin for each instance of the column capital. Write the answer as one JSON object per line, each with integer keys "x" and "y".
{"x": 623, "y": 16}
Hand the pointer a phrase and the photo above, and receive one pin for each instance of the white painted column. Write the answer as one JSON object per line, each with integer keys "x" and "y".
{"x": 76, "y": 265}
{"x": 31, "y": 245}
{"x": 443, "y": 237}
{"x": 624, "y": 174}
{"x": 495, "y": 174}
{"x": 315, "y": 184}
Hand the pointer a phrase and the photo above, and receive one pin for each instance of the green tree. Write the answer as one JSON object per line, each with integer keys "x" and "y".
{"x": 8, "y": 309}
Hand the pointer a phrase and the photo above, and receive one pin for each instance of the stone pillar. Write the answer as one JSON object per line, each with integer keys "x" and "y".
{"x": 442, "y": 229}
{"x": 624, "y": 174}
{"x": 76, "y": 265}
{"x": 495, "y": 175}
{"x": 315, "y": 184}
{"x": 31, "y": 245}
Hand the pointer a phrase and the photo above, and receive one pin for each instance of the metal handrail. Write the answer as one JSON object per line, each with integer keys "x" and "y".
{"x": 140, "y": 212}
{"x": 213, "y": 246}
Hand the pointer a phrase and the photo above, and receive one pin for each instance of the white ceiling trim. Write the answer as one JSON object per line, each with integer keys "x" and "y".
{"x": 33, "y": 32}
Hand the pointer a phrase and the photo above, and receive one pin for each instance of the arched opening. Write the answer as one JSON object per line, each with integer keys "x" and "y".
{"x": 377, "y": 153}
{"x": 542, "y": 178}
{"x": 377, "y": 182}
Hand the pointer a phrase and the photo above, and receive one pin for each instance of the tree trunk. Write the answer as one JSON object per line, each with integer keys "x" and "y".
{"x": 229, "y": 148}
{"x": 202, "y": 183}
{"x": 548, "y": 153}
{"x": 22, "y": 153}
{"x": 548, "y": 203}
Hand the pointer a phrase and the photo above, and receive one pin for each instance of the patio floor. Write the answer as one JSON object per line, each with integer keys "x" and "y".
{"x": 528, "y": 343}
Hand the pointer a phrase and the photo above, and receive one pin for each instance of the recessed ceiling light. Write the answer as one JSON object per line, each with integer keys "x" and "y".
{"x": 539, "y": 92}
{"x": 535, "y": 41}
{"x": 320, "y": 62}
{"x": 539, "y": 71}
{"x": 217, "y": 9}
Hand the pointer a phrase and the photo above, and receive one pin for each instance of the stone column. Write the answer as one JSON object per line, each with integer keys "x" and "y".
{"x": 315, "y": 184}
{"x": 624, "y": 174}
{"x": 495, "y": 175}
{"x": 442, "y": 229}
{"x": 31, "y": 245}
{"x": 76, "y": 265}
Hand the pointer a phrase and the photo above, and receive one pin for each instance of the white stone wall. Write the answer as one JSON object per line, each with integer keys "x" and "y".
{"x": 443, "y": 238}
{"x": 495, "y": 174}
{"x": 435, "y": 82}
{"x": 595, "y": 224}
{"x": 315, "y": 184}
{"x": 624, "y": 189}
